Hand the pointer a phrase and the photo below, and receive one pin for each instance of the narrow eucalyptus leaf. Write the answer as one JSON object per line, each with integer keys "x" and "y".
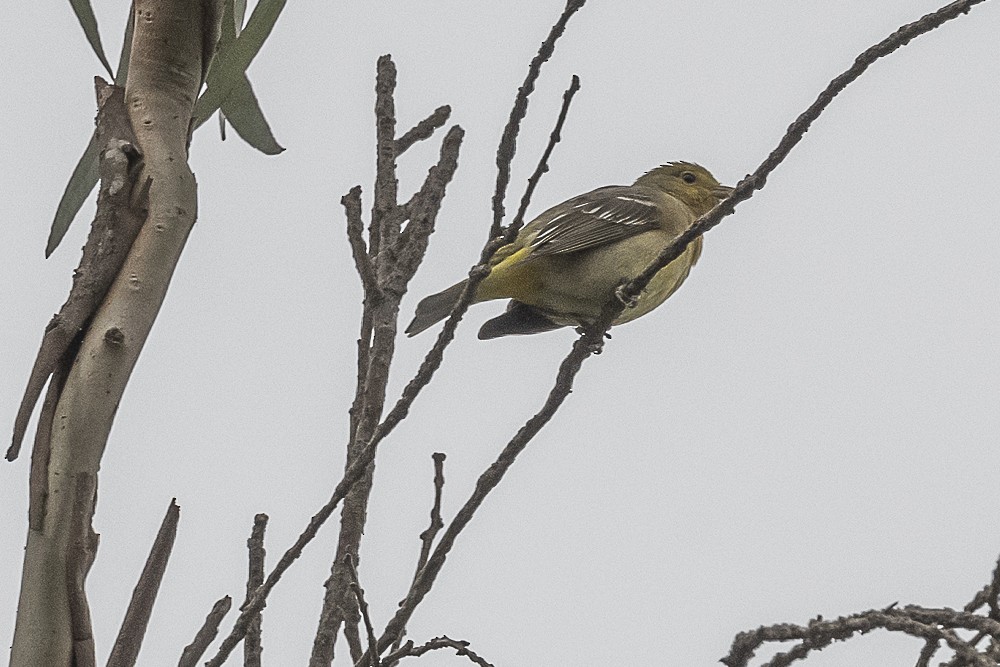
{"x": 123, "y": 58}
{"x": 81, "y": 184}
{"x": 243, "y": 112}
{"x": 85, "y": 15}
{"x": 230, "y": 63}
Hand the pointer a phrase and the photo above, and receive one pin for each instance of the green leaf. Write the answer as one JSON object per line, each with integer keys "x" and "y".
{"x": 226, "y": 75}
{"x": 227, "y": 35}
{"x": 85, "y": 15}
{"x": 229, "y": 65}
{"x": 85, "y": 174}
{"x": 80, "y": 185}
{"x": 243, "y": 112}
{"x": 123, "y": 58}
{"x": 240, "y": 11}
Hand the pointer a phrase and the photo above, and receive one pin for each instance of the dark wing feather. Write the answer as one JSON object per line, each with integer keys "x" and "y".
{"x": 597, "y": 218}
{"x": 519, "y": 319}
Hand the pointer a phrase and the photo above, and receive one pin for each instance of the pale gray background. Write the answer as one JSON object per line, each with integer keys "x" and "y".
{"x": 809, "y": 426}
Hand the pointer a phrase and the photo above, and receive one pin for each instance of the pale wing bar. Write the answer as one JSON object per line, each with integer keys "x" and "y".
{"x": 597, "y": 218}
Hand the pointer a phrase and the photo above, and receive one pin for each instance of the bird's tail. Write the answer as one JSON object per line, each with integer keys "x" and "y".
{"x": 434, "y": 308}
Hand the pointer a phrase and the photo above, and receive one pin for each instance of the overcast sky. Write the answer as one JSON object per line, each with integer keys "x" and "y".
{"x": 809, "y": 426}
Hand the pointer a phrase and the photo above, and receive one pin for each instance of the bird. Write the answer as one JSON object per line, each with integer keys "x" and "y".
{"x": 564, "y": 266}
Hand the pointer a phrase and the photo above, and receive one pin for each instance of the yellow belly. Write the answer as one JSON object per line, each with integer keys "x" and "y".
{"x": 572, "y": 288}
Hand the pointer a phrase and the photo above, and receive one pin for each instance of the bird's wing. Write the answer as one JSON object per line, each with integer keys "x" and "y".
{"x": 597, "y": 218}
{"x": 518, "y": 319}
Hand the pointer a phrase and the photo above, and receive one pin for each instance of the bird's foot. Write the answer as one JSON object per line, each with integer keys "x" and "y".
{"x": 629, "y": 300}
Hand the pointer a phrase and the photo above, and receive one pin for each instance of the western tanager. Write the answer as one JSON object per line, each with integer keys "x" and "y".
{"x": 565, "y": 265}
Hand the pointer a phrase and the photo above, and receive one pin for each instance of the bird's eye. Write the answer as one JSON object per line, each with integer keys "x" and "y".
{"x": 688, "y": 177}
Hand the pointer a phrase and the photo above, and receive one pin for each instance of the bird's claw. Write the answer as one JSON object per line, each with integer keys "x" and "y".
{"x": 628, "y": 300}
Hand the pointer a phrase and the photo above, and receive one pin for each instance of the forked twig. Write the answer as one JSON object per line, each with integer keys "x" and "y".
{"x": 437, "y": 523}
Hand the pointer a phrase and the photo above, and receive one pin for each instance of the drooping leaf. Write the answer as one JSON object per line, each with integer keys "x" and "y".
{"x": 225, "y": 75}
{"x": 123, "y": 58}
{"x": 243, "y": 112}
{"x": 227, "y": 35}
{"x": 85, "y": 15}
{"x": 230, "y": 64}
{"x": 81, "y": 184}
{"x": 85, "y": 174}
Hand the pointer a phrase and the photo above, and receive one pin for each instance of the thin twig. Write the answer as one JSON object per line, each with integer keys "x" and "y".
{"x": 929, "y": 624}
{"x": 355, "y": 237}
{"x": 408, "y": 650}
{"x": 395, "y": 265}
{"x": 505, "y": 154}
{"x": 252, "y": 648}
{"x": 993, "y": 597}
{"x": 354, "y": 471}
{"x": 353, "y": 636}
{"x": 437, "y": 523}
{"x": 582, "y": 348}
{"x": 374, "y": 356}
{"x": 508, "y": 141}
{"x": 359, "y": 594}
{"x": 755, "y": 181}
{"x": 206, "y": 633}
{"x": 422, "y": 210}
{"x": 424, "y": 129}
{"x": 140, "y": 607}
{"x": 927, "y": 652}
{"x": 382, "y": 230}
{"x": 543, "y": 162}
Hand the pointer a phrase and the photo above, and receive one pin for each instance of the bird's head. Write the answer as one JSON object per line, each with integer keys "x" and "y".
{"x": 689, "y": 182}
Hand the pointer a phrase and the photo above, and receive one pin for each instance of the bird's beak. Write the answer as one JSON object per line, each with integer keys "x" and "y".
{"x": 721, "y": 192}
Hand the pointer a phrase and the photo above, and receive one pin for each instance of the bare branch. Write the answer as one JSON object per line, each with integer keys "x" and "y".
{"x": 206, "y": 633}
{"x": 423, "y": 209}
{"x": 355, "y": 236}
{"x": 424, "y": 129}
{"x": 437, "y": 523}
{"x": 508, "y": 142}
{"x": 582, "y": 349}
{"x": 543, "y": 162}
{"x": 353, "y": 636}
{"x": 252, "y": 648}
{"x": 932, "y": 625}
{"x": 993, "y": 593}
{"x": 482, "y": 269}
{"x": 397, "y": 259}
{"x": 927, "y": 652}
{"x": 359, "y": 594}
{"x": 382, "y": 228}
{"x": 408, "y": 650}
{"x": 796, "y": 131}
{"x": 140, "y": 607}
{"x": 374, "y": 356}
